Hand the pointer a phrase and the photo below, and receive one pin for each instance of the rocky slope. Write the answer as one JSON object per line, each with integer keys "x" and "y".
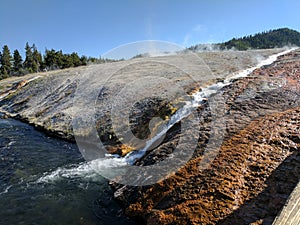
{"x": 257, "y": 165}
{"x": 46, "y": 99}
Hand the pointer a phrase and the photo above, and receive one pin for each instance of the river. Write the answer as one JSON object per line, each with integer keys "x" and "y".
{"x": 26, "y": 155}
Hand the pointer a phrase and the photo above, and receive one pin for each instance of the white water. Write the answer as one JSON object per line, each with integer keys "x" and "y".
{"x": 214, "y": 88}
{"x": 92, "y": 169}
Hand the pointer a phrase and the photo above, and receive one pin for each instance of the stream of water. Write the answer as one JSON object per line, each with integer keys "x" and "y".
{"x": 25, "y": 156}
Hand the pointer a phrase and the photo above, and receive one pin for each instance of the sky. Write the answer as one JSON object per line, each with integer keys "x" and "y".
{"x": 94, "y": 27}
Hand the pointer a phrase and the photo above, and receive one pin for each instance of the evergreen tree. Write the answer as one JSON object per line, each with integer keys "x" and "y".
{"x": 37, "y": 63}
{"x": 84, "y": 60}
{"x": 6, "y": 62}
{"x": 75, "y": 59}
{"x": 49, "y": 59}
{"x": 54, "y": 59}
{"x": 29, "y": 62}
{"x": 18, "y": 63}
{"x": 59, "y": 59}
{"x": 67, "y": 61}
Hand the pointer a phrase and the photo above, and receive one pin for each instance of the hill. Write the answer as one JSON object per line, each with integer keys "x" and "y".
{"x": 269, "y": 39}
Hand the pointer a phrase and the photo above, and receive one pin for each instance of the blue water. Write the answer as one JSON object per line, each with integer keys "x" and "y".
{"x": 25, "y": 156}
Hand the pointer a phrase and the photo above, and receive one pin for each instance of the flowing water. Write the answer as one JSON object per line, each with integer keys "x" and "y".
{"x": 44, "y": 180}
{"x": 25, "y": 155}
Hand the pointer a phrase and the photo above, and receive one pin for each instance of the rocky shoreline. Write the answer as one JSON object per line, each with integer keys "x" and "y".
{"x": 248, "y": 182}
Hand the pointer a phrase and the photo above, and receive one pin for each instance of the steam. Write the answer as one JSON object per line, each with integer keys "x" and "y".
{"x": 209, "y": 47}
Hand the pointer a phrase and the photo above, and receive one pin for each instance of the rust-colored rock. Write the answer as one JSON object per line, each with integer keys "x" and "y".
{"x": 257, "y": 166}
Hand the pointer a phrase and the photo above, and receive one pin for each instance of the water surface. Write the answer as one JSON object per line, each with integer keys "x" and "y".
{"x": 26, "y": 156}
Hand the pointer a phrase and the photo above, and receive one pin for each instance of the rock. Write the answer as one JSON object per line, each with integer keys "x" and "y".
{"x": 242, "y": 185}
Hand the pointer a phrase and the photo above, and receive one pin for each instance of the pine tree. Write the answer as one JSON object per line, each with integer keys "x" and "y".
{"x": 6, "y": 62}
{"x": 29, "y": 63}
{"x": 75, "y": 59}
{"x": 18, "y": 63}
{"x": 37, "y": 63}
{"x": 59, "y": 59}
{"x": 54, "y": 59}
{"x": 49, "y": 59}
{"x": 84, "y": 60}
{"x": 67, "y": 61}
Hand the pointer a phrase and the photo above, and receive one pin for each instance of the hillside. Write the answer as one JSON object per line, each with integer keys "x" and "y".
{"x": 49, "y": 97}
{"x": 264, "y": 40}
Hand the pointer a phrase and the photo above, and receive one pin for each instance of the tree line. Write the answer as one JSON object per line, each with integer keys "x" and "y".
{"x": 14, "y": 65}
{"x": 268, "y": 39}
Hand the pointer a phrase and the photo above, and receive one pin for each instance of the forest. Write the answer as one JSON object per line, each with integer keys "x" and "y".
{"x": 12, "y": 64}
{"x": 268, "y": 39}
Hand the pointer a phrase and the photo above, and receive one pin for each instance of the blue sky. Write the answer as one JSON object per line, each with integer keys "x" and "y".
{"x": 93, "y": 27}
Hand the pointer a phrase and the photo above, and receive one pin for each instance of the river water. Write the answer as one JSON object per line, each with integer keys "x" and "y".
{"x": 26, "y": 155}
